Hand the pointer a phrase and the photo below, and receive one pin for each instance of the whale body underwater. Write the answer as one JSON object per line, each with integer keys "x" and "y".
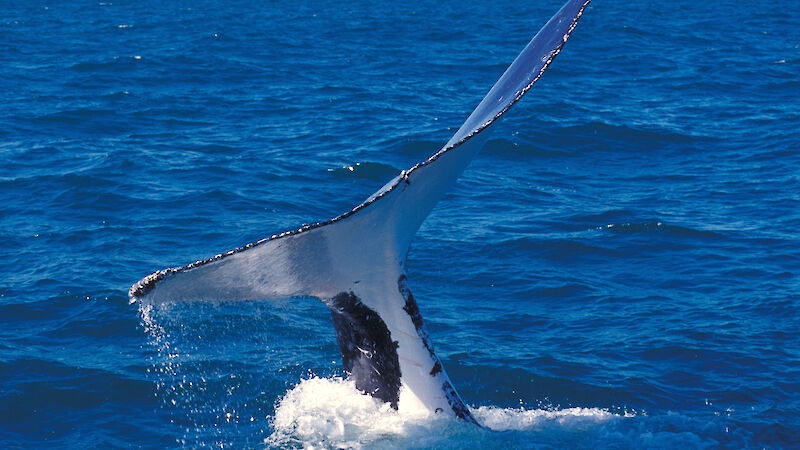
{"x": 354, "y": 263}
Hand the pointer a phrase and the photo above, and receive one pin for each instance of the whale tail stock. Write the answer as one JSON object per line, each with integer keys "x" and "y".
{"x": 354, "y": 263}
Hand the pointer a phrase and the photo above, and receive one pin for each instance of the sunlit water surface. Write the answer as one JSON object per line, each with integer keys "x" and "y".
{"x": 617, "y": 269}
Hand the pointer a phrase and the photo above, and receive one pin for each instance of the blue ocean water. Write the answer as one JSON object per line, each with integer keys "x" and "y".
{"x": 619, "y": 268}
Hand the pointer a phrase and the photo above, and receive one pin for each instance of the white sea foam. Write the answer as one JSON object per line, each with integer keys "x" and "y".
{"x": 332, "y": 413}
{"x": 521, "y": 419}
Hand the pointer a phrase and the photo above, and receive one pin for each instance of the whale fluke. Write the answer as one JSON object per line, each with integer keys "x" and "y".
{"x": 354, "y": 263}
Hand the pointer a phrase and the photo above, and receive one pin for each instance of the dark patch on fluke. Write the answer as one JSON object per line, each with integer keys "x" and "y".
{"x": 412, "y": 310}
{"x": 459, "y": 408}
{"x": 368, "y": 351}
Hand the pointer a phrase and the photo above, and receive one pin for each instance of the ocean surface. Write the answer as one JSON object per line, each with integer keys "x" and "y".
{"x": 619, "y": 267}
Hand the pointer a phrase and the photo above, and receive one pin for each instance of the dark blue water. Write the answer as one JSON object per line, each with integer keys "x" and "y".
{"x": 619, "y": 268}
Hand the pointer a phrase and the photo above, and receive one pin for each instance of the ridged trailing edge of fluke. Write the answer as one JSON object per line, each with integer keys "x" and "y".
{"x": 354, "y": 262}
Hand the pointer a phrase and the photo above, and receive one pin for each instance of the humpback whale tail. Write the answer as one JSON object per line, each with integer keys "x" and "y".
{"x": 354, "y": 263}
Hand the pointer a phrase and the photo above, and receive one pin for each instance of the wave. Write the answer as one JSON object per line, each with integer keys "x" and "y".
{"x": 660, "y": 227}
{"x": 114, "y": 64}
{"x": 369, "y": 170}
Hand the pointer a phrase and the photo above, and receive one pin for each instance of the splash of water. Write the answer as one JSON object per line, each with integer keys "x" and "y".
{"x": 332, "y": 413}
{"x": 211, "y": 400}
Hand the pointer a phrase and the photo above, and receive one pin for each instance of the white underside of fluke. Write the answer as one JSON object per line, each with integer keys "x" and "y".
{"x": 362, "y": 252}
